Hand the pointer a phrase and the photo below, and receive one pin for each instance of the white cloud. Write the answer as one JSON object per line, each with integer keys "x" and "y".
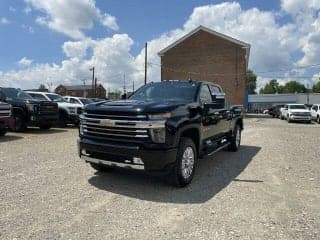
{"x": 71, "y": 17}
{"x": 27, "y": 10}
{"x": 4, "y": 21}
{"x": 25, "y": 62}
{"x": 27, "y": 28}
{"x": 109, "y": 21}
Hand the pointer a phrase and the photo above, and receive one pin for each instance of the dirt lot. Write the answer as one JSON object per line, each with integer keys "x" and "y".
{"x": 270, "y": 189}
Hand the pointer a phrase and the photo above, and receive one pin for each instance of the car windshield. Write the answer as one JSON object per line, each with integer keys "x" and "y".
{"x": 56, "y": 98}
{"x": 298, "y": 107}
{"x": 167, "y": 91}
{"x": 12, "y": 93}
{"x": 86, "y": 101}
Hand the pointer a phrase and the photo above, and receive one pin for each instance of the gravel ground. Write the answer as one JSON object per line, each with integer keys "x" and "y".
{"x": 268, "y": 190}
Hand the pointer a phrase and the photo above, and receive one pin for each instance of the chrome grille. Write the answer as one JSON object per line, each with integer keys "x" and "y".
{"x": 117, "y": 128}
{"x": 47, "y": 108}
{"x": 302, "y": 114}
{"x": 5, "y": 113}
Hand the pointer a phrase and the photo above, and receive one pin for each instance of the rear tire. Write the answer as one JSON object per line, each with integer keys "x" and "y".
{"x": 62, "y": 122}
{"x": 101, "y": 168}
{"x": 235, "y": 140}
{"x": 184, "y": 166}
{"x": 318, "y": 119}
{"x": 3, "y": 132}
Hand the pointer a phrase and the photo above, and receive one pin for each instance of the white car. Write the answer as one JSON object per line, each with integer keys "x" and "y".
{"x": 315, "y": 112}
{"x": 68, "y": 112}
{"x": 296, "y": 112}
{"x": 78, "y": 100}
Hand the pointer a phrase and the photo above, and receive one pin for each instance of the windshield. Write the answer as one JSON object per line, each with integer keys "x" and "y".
{"x": 167, "y": 91}
{"x": 86, "y": 101}
{"x": 297, "y": 107}
{"x": 56, "y": 98}
{"x": 12, "y": 93}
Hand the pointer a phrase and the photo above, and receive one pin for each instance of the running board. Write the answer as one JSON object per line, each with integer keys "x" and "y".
{"x": 218, "y": 149}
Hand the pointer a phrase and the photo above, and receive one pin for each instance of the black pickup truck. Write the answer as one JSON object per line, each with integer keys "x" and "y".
{"x": 28, "y": 111}
{"x": 163, "y": 127}
{"x": 6, "y": 121}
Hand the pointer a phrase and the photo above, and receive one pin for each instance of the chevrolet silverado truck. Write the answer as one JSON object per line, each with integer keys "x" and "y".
{"x": 6, "y": 120}
{"x": 296, "y": 113}
{"x": 68, "y": 112}
{"x": 315, "y": 112}
{"x": 28, "y": 111}
{"x": 163, "y": 128}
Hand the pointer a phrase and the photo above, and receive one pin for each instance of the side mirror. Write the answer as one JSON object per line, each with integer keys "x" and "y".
{"x": 218, "y": 100}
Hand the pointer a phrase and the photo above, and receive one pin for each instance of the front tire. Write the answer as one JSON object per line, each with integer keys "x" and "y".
{"x": 3, "y": 132}
{"x": 184, "y": 166}
{"x": 235, "y": 140}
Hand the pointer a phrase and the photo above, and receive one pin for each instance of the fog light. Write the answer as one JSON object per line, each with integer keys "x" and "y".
{"x": 137, "y": 160}
{"x": 158, "y": 135}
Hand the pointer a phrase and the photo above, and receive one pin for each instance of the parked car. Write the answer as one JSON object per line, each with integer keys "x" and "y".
{"x": 28, "y": 111}
{"x": 274, "y": 111}
{"x": 296, "y": 112}
{"x": 6, "y": 120}
{"x": 162, "y": 128}
{"x": 100, "y": 99}
{"x": 68, "y": 112}
{"x": 78, "y": 100}
{"x": 315, "y": 112}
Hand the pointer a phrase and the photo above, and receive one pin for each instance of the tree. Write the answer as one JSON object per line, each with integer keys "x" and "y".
{"x": 42, "y": 87}
{"x": 316, "y": 87}
{"x": 294, "y": 87}
{"x": 271, "y": 87}
{"x": 251, "y": 79}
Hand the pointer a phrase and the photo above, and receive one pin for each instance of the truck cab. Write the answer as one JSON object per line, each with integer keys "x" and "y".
{"x": 78, "y": 100}
{"x": 28, "y": 111}
{"x": 162, "y": 129}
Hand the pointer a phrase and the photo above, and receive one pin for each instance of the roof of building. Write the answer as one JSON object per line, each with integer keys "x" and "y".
{"x": 208, "y": 30}
{"x": 79, "y": 87}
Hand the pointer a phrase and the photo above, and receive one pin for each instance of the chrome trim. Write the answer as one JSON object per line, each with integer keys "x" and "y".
{"x": 123, "y": 123}
{"x": 116, "y": 116}
{"x": 112, "y": 164}
{"x": 97, "y": 127}
{"x": 5, "y": 113}
{"x": 115, "y": 134}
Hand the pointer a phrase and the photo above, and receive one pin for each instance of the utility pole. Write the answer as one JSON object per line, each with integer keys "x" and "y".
{"x": 92, "y": 69}
{"x": 132, "y": 86}
{"x": 124, "y": 84}
{"x": 95, "y": 87}
{"x": 308, "y": 100}
{"x": 145, "y": 63}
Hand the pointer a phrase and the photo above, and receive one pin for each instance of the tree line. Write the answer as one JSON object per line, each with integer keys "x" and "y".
{"x": 273, "y": 86}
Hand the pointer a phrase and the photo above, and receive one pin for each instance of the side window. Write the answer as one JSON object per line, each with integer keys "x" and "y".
{"x": 38, "y": 96}
{"x": 205, "y": 95}
{"x": 214, "y": 89}
{"x": 72, "y": 100}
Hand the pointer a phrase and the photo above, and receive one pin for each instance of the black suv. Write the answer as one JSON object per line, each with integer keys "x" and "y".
{"x": 163, "y": 128}
{"x": 27, "y": 111}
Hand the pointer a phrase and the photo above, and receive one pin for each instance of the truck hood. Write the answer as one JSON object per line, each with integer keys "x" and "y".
{"x": 300, "y": 110}
{"x": 67, "y": 105}
{"x": 133, "y": 107}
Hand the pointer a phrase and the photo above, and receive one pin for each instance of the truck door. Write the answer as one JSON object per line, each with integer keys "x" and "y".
{"x": 211, "y": 119}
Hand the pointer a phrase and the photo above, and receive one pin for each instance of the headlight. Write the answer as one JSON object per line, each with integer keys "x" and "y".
{"x": 158, "y": 135}
{"x": 160, "y": 116}
{"x": 81, "y": 128}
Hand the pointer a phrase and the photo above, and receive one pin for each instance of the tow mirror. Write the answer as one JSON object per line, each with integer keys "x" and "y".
{"x": 218, "y": 100}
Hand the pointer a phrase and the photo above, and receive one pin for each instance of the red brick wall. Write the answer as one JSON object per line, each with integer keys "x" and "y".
{"x": 204, "y": 56}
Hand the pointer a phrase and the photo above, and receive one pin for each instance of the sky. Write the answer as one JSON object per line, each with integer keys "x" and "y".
{"x": 57, "y": 42}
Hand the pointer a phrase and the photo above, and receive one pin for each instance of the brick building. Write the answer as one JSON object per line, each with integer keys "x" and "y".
{"x": 81, "y": 91}
{"x": 204, "y": 54}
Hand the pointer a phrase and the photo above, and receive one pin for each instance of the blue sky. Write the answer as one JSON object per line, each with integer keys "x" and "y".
{"x": 37, "y": 35}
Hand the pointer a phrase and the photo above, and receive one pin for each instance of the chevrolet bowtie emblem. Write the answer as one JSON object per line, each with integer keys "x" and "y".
{"x": 107, "y": 122}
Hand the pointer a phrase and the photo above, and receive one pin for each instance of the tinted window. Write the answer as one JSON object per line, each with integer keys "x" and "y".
{"x": 55, "y": 98}
{"x": 12, "y": 93}
{"x": 72, "y": 100}
{"x": 86, "y": 101}
{"x": 214, "y": 89}
{"x": 205, "y": 95}
{"x": 167, "y": 91}
{"x": 298, "y": 107}
{"x": 38, "y": 96}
